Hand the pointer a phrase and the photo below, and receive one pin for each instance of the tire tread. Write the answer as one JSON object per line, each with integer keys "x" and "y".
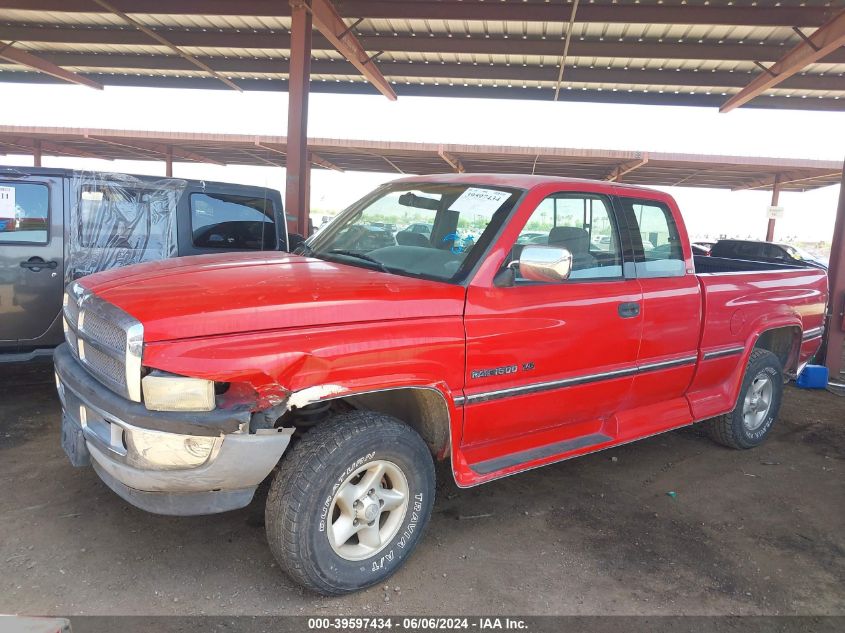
{"x": 721, "y": 428}
{"x": 308, "y": 461}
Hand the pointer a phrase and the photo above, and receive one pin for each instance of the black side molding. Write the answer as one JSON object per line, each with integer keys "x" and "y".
{"x": 514, "y": 459}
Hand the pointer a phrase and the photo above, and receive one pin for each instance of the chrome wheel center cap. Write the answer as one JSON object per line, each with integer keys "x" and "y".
{"x": 367, "y": 509}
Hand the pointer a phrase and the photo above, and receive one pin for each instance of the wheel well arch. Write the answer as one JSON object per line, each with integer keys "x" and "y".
{"x": 424, "y": 409}
{"x": 784, "y": 342}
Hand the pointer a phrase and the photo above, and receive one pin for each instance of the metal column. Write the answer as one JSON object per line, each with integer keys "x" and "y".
{"x": 770, "y": 230}
{"x": 836, "y": 278}
{"x": 297, "y": 166}
{"x": 168, "y": 162}
{"x": 36, "y": 154}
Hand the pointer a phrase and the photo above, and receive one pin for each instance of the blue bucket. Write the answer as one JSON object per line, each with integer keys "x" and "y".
{"x": 813, "y": 377}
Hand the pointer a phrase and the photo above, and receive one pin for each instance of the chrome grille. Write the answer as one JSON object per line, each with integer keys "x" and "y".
{"x": 100, "y": 330}
{"x": 103, "y": 366}
{"x": 106, "y": 340}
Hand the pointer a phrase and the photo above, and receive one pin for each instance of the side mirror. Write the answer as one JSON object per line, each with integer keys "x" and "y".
{"x": 545, "y": 263}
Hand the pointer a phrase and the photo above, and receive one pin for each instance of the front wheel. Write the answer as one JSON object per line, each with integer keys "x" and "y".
{"x": 750, "y": 423}
{"x": 350, "y": 502}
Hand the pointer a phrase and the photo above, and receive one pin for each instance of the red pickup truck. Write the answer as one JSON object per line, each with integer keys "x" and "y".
{"x": 535, "y": 320}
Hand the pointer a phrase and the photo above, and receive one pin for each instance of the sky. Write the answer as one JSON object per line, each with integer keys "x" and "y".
{"x": 750, "y": 132}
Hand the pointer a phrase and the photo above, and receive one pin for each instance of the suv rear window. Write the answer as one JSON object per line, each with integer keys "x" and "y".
{"x": 232, "y": 222}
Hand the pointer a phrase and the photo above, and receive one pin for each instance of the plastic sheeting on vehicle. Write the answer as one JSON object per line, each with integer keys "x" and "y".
{"x": 117, "y": 220}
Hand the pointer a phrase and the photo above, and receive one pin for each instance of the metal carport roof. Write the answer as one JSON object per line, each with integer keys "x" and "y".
{"x": 634, "y": 167}
{"x": 672, "y": 52}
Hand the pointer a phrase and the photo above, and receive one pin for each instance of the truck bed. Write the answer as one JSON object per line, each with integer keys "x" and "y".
{"x": 740, "y": 299}
{"x": 705, "y": 265}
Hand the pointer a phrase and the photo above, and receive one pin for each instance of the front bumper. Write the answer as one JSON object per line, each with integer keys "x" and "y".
{"x": 98, "y": 427}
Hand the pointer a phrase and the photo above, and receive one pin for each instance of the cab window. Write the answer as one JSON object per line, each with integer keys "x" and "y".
{"x": 232, "y": 222}
{"x": 583, "y": 224}
{"x": 24, "y": 212}
{"x": 656, "y": 241}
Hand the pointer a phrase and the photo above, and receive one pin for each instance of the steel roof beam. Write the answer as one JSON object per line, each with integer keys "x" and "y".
{"x": 49, "y": 147}
{"x": 466, "y": 10}
{"x": 789, "y": 178}
{"x": 162, "y": 149}
{"x": 639, "y": 95}
{"x": 813, "y": 48}
{"x": 453, "y": 161}
{"x": 22, "y": 58}
{"x": 567, "y": 41}
{"x": 327, "y": 20}
{"x": 626, "y": 168}
{"x": 164, "y": 42}
{"x": 461, "y": 71}
{"x": 264, "y": 39}
{"x": 316, "y": 159}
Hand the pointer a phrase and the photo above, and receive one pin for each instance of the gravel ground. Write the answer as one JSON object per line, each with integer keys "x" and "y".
{"x": 753, "y": 532}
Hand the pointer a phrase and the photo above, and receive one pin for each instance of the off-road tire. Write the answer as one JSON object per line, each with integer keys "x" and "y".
{"x": 295, "y": 514}
{"x": 729, "y": 429}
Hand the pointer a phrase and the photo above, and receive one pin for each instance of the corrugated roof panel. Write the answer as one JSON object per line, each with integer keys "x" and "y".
{"x": 246, "y": 22}
{"x": 61, "y": 18}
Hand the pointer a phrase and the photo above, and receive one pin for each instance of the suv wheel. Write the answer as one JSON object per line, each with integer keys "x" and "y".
{"x": 750, "y": 423}
{"x": 350, "y": 502}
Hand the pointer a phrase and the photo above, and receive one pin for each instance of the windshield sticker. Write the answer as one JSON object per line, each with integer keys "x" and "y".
{"x": 7, "y": 202}
{"x": 476, "y": 200}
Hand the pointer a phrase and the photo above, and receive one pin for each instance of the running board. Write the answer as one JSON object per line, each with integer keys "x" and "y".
{"x": 532, "y": 454}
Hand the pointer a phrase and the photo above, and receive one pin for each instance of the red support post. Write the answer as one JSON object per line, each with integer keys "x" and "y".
{"x": 835, "y": 335}
{"x": 770, "y": 230}
{"x": 297, "y": 165}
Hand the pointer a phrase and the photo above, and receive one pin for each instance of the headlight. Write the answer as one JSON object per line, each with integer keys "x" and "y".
{"x": 167, "y": 451}
{"x": 168, "y": 392}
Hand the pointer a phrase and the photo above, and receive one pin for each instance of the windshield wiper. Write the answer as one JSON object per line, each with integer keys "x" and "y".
{"x": 362, "y": 256}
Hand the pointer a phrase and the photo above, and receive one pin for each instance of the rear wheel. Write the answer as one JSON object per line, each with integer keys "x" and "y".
{"x": 750, "y": 423}
{"x": 350, "y": 502}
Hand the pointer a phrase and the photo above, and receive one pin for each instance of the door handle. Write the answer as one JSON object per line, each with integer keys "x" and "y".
{"x": 629, "y": 309}
{"x": 37, "y": 263}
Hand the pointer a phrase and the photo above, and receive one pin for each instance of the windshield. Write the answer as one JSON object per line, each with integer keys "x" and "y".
{"x": 434, "y": 231}
{"x": 798, "y": 253}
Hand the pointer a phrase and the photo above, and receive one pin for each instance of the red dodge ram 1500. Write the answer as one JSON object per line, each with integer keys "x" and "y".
{"x": 500, "y": 322}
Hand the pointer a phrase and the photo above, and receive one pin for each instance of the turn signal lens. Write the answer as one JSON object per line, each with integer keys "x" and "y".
{"x": 154, "y": 450}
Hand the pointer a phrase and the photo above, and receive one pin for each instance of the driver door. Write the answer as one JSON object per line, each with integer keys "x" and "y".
{"x": 548, "y": 364}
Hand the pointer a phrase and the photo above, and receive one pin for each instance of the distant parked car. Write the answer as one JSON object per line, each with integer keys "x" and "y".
{"x": 765, "y": 252}
{"x": 528, "y": 237}
{"x": 419, "y": 227}
{"x": 365, "y": 237}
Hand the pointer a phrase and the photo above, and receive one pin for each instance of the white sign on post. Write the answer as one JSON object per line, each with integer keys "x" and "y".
{"x": 775, "y": 213}
{"x": 7, "y": 203}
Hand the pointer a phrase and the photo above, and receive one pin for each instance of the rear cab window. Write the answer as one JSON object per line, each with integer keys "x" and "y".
{"x": 655, "y": 238}
{"x": 24, "y": 213}
{"x": 233, "y": 222}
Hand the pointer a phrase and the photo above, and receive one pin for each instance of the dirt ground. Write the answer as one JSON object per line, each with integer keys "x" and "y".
{"x": 753, "y": 532}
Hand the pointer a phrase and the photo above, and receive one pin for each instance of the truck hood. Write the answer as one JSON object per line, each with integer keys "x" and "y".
{"x": 210, "y": 295}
